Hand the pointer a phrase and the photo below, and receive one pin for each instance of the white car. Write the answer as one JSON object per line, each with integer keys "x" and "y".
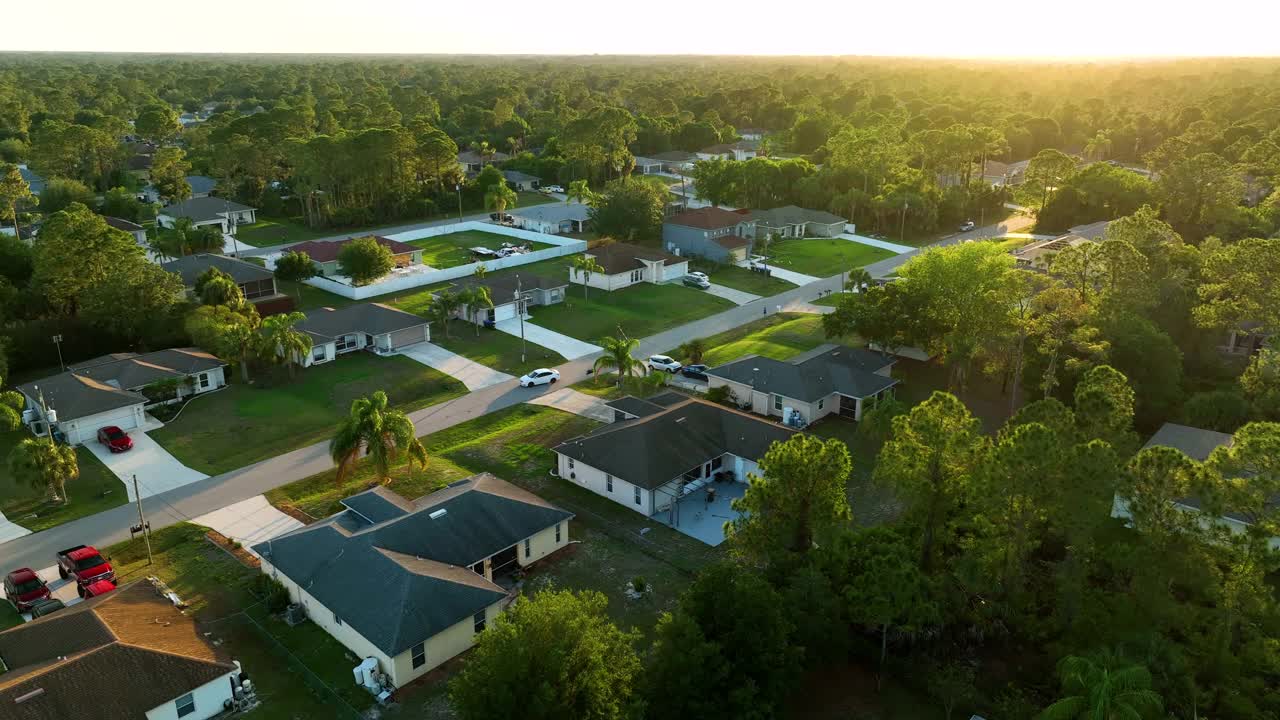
{"x": 662, "y": 362}
{"x": 541, "y": 376}
{"x": 553, "y": 188}
{"x": 700, "y": 275}
{"x": 967, "y": 226}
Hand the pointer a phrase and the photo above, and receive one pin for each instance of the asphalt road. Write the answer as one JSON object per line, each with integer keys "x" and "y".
{"x": 888, "y": 267}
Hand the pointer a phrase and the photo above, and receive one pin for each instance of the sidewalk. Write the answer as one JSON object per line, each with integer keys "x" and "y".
{"x": 471, "y": 373}
{"x": 10, "y": 531}
{"x": 794, "y": 278}
{"x": 571, "y": 348}
{"x": 882, "y": 244}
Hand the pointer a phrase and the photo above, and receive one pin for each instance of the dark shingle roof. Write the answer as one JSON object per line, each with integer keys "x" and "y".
{"x": 328, "y": 251}
{"x": 814, "y": 375}
{"x": 502, "y": 288}
{"x": 417, "y": 563}
{"x": 708, "y": 218}
{"x": 517, "y": 176}
{"x": 793, "y": 215}
{"x": 191, "y": 266}
{"x": 378, "y": 505}
{"x": 201, "y": 184}
{"x": 203, "y": 208}
{"x": 372, "y": 318}
{"x": 1195, "y": 443}
{"x": 632, "y": 405}
{"x": 654, "y": 450}
{"x": 624, "y": 257}
{"x": 730, "y": 242}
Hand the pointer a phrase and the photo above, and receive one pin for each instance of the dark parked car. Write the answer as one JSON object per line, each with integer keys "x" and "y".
{"x": 501, "y": 217}
{"x": 45, "y": 607}
{"x": 697, "y": 372}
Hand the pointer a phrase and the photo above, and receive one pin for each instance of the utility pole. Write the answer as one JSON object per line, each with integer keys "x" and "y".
{"x": 57, "y": 341}
{"x": 458, "y": 187}
{"x": 142, "y": 520}
{"x": 44, "y": 413}
{"x": 231, "y": 226}
{"x": 902, "y": 232}
{"x": 520, "y": 312}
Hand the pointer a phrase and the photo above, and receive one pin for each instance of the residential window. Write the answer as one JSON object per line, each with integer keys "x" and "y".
{"x": 204, "y": 381}
{"x": 317, "y": 353}
{"x": 637, "y": 275}
{"x": 608, "y": 483}
{"x": 637, "y": 495}
{"x": 820, "y": 402}
{"x": 570, "y": 463}
{"x": 717, "y": 463}
{"x": 186, "y": 705}
{"x": 557, "y": 532}
{"x": 419, "y": 655}
{"x": 777, "y": 402}
{"x": 346, "y": 342}
{"x": 528, "y": 548}
{"x": 477, "y": 621}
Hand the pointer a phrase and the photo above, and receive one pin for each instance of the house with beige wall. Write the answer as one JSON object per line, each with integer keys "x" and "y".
{"x": 411, "y": 583}
{"x": 626, "y": 265}
{"x": 830, "y": 379}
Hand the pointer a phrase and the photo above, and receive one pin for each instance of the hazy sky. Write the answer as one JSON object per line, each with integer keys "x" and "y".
{"x": 954, "y": 28}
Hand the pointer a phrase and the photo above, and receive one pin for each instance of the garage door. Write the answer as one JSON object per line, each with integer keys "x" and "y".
{"x": 408, "y": 336}
{"x": 87, "y": 428}
{"x": 504, "y": 312}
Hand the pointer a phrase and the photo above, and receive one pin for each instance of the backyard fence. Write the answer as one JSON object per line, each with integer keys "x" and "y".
{"x": 396, "y": 283}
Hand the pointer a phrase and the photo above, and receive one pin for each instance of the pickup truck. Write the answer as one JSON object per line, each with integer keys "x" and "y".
{"x": 86, "y": 565}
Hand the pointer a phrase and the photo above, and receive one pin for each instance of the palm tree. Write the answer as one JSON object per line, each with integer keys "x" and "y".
{"x": 617, "y": 356}
{"x": 444, "y": 305}
{"x": 580, "y": 191}
{"x": 500, "y": 197}
{"x": 484, "y": 150}
{"x": 282, "y": 342}
{"x": 476, "y": 299}
{"x": 693, "y": 350}
{"x": 481, "y": 271}
{"x": 586, "y": 264}
{"x": 858, "y": 280}
{"x": 382, "y": 433}
{"x": 14, "y": 191}
{"x": 1109, "y": 690}
{"x": 45, "y": 465}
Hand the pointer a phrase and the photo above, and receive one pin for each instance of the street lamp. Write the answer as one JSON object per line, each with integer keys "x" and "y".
{"x": 902, "y": 231}
{"x": 57, "y": 341}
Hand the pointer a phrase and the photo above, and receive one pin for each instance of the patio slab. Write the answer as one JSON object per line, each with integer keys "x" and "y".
{"x": 702, "y": 520}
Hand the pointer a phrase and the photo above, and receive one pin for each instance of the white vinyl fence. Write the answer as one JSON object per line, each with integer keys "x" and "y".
{"x": 396, "y": 283}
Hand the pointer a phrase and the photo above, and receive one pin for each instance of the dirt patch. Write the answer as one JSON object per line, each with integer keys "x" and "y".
{"x": 234, "y": 549}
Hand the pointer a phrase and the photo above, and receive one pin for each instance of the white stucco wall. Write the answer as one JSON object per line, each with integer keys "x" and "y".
{"x": 208, "y": 699}
{"x": 596, "y": 481}
{"x": 329, "y": 354}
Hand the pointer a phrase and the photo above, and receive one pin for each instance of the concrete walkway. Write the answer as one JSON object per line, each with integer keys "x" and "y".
{"x": 571, "y": 348}
{"x": 578, "y": 403}
{"x": 882, "y": 244}
{"x": 10, "y": 530}
{"x": 794, "y": 278}
{"x": 157, "y": 470}
{"x": 249, "y": 521}
{"x": 472, "y": 374}
{"x": 737, "y": 297}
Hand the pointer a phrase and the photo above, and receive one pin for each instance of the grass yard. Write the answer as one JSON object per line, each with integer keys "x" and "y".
{"x": 823, "y": 257}
{"x": 983, "y": 395}
{"x": 270, "y": 231}
{"x": 639, "y": 310}
{"x": 96, "y": 489}
{"x": 777, "y": 336}
{"x": 453, "y": 249}
{"x": 242, "y": 424}
{"x": 741, "y": 278}
{"x": 832, "y": 300}
{"x": 495, "y": 349}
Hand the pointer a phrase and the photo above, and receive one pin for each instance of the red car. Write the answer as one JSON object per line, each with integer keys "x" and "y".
{"x": 115, "y": 439}
{"x": 101, "y": 587}
{"x": 24, "y": 589}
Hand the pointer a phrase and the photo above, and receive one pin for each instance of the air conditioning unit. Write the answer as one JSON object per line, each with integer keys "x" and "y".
{"x": 295, "y": 615}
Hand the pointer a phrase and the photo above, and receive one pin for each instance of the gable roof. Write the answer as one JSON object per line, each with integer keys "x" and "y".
{"x": 203, "y": 208}
{"x": 658, "y": 448}
{"x": 730, "y": 242}
{"x": 328, "y": 251}
{"x": 633, "y": 405}
{"x": 130, "y": 651}
{"x": 813, "y": 375}
{"x": 502, "y": 288}
{"x": 1194, "y": 442}
{"x": 191, "y": 266}
{"x": 201, "y": 184}
{"x": 471, "y": 157}
{"x": 619, "y": 257}
{"x": 709, "y": 218}
{"x": 794, "y": 215}
{"x": 372, "y": 318}
{"x": 517, "y": 176}
{"x": 418, "y": 560}
{"x": 553, "y": 212}
{"x": 34, "y": 180}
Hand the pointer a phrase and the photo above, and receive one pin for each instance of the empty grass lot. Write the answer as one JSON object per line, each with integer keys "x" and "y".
{"x": 495, "y": 349}
{"x": 96, "y": 489}
{"x": 741, "y": 278}
{"x": 823, "y": 257}
{"x": 639, "y": 310}
{"x": 243, "y": 424}
{"x": 453, "y": 249}
{"x": 777, "y": 336}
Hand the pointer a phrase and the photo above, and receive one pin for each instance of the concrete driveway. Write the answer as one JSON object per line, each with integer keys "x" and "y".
{"x": 157, "y": 470}
{"x": 10, "y": 530}
{"x": 570, "y": 348}
{"x": 471, "y": 373}
{"x": 578, "y": 403}
{"x": 737, "y": 297}
{"x": 249, "y": 521}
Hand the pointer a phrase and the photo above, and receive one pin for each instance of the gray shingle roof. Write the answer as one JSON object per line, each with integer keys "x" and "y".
{"x": 201, "y": 184}
{"x": 654, "y": 450}
{"x": 191, "y": 266}
{"x": 553, "y": 212}
{"x": 1195, "y": 443}
{"x": 372, "y": 318}
{"x": 517, "y": 176}
{"x": 813, "y": 375}
{"x": 414, "y": 567}
{"x": 502, "y": 288}
{"x": 793, "y": 215}
{"x": 378, "y": 505}
{"x": 632, "y": 405}
{"x": 624, "y": 257}
{"x": 203, "y": 208}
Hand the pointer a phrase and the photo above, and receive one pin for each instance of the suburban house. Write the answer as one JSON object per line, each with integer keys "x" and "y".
{"x": 378, "y": 328}
{"x": 673, "y": 446}
{"x": 741, "y": 150}
{"x": 521, "y": 181}
{"x": 138, "y": 232}
{"x": 626, "y": 265}
{"x": 534, "y": 290}
{"x": 1196, "y": 444}
{"x": 201, "y": 186}
{"x": 647, "y": 165}
{"x": 473, "y": 162}
{"x": 790, "y": 221}
{"x": 828, "y": 379}
{"x": 752, "y": 133}
{"x": 998, "y": 173}
{"x": 1245, "y": 341}
{"x": 710, "y": 232}
{"x": 1038, "y": 255}
{"x": 552, "y": 218}
{"x": 411, "y": 584}
{"x": 226, "y": 214}
{"x": 127, "y": 654}
{"x": 256, "y": 282}
{"x": 325, "y": 254}
{"x": 108, "y": 390}
{"x": 34, "y": 180}
{"x": 676, "y": 161}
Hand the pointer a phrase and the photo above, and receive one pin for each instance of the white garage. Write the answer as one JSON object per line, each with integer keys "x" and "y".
{"x": 85, "y": 430}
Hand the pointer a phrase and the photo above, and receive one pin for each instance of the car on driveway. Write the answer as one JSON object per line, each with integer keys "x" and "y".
{"x": 46, "y": 607}
{"x": 702, "y": 283}
{"x": 700, "y": 275}
{"x": 85, "y": 564}
{"x": 501, "y": 217}
{"x": 101, "y": 587}
{"x": 967, "y": 226}
{"x": 662, "y": 362}
{"x": 553, "y": 188}
{"x": 696, "y": 372}
{"x": 116, "y": 440}
{"x": 541, "y": 376}
{"x": 24, "y": 589}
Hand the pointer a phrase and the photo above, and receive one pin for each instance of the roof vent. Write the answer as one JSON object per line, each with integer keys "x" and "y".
{"x": 436, "y": 515}
{"x": 28, "y": 696}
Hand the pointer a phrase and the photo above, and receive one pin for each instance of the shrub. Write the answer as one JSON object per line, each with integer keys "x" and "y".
{"x": 273, "y": 593}
{"x": 1221, "y": 410}
{"x": 639, "y": 585}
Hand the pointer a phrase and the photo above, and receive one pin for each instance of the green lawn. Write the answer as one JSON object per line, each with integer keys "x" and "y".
{"x": 96, "y": 489}
{"x": 823, "y": 257}
{"x": 640, "y": 310}
{"x": 495, "y": 349}
{"x": 244, "y": 424}
{"x": 777, "y": 336}
{"x": 741, "y": 278}
{"x": 453, "y": 249}
{"x": 277, "y": 230}
{"x": 832, "y": 300}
